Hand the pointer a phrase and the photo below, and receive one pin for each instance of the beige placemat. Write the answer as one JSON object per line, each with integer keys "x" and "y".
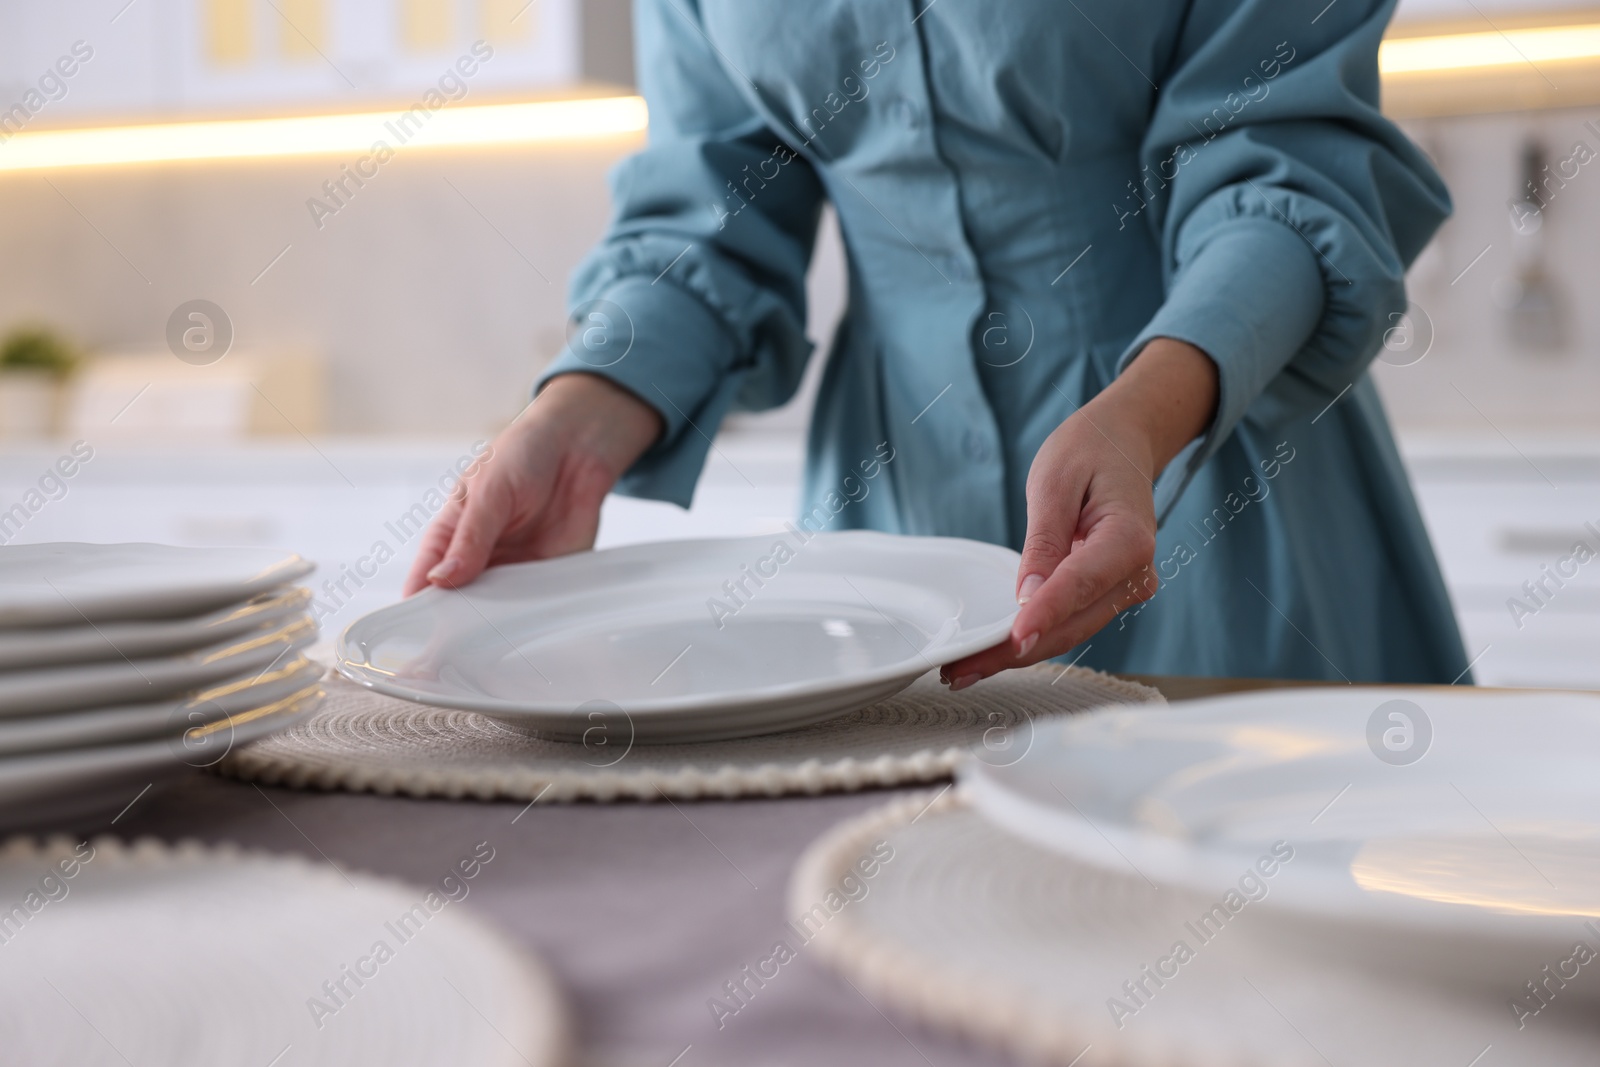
{"x": 196, "y": 956}
{"x": 938, "y": 916}
{"x": 365, "y": 741}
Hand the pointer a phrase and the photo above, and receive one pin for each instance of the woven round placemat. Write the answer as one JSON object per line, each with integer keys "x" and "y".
{"x": 191, "y": 956}
{"x": 934, "y": 913}
{"x": 365, "y": 741}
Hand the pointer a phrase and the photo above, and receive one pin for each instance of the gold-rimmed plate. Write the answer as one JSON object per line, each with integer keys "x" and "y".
{"x": 46, "y": 647}
{"x": 46, "y": 788}
{"x": 187, "y": 713}
{"x": 66, "y": 583}
{"x": 131, "y": 680}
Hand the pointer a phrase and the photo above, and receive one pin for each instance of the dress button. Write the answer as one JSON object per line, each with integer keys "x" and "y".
{"x": 976, "y": 447}
{"x": 952, "y": 266}
{"x": 905, "y": 112}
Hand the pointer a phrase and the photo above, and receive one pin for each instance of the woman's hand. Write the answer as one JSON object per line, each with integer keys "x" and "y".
{"x": 1091, "y": 512}
{"x": 539, "y": 491}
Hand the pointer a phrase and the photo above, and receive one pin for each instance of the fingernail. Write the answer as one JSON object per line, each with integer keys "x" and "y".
{"x": 444, "y": 570}
{"x": 964, "y": 681}
{"x": 1027, "y": 644}
{"x": 1030, "y": 586}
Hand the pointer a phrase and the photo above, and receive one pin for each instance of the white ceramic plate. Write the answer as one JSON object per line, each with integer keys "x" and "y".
{"x": 34, "y": 648}
{"x": 104, "y": 726}
{"x": 190, "y": 955}
{"x": 68, "y": 584}
{"x": 1413, "y": 808}
{"x": 133, "y": 681}
{"x": 47, "y": 787}
{"x": 680, "y": 642}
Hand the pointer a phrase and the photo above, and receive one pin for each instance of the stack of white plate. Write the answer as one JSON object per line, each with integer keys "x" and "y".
{"x": 123, "y": 665}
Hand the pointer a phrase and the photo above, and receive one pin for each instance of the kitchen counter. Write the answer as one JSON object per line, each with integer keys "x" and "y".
{"x": 642, "y": 911}
{"x": 1494, "y": 513}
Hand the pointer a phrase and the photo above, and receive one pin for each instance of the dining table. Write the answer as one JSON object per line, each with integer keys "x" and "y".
{"x": 642, "y": 910}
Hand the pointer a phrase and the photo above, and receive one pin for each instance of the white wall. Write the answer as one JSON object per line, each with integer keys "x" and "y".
{"x": 435, "y": 295}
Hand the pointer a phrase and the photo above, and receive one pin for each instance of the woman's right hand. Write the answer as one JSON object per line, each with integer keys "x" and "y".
{"x": 538, "y": 492}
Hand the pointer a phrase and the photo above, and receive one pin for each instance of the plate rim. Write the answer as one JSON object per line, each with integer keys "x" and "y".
{"x": 172, "y": 636}
{"x": 192, "y": 671}
{"x": 89, "y": 727}
{"x": 170, "y": 600}
{"x": 1321, "y": 894}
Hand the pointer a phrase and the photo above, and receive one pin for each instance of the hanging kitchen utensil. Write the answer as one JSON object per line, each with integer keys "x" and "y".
{"x": 1535, "y": 315}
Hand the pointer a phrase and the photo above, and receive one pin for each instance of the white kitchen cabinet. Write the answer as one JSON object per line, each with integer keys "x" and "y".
{"x": 1500, "y": 519}
{"x": 178, "y": 58}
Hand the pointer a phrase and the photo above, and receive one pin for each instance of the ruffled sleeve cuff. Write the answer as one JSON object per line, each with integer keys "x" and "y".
{"x": 666, "y": 348}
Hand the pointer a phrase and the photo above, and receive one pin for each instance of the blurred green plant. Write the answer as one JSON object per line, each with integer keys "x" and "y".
{"x": 37, "y": 349}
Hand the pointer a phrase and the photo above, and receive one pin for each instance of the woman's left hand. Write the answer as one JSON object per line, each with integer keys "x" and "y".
{"x": 1091, "y": 513}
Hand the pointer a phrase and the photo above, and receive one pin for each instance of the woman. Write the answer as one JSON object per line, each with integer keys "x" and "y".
{"x": 1116, "y": 273}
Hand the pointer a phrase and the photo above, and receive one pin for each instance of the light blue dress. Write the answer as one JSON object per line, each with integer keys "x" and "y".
{"x": 1028, "y": 192}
